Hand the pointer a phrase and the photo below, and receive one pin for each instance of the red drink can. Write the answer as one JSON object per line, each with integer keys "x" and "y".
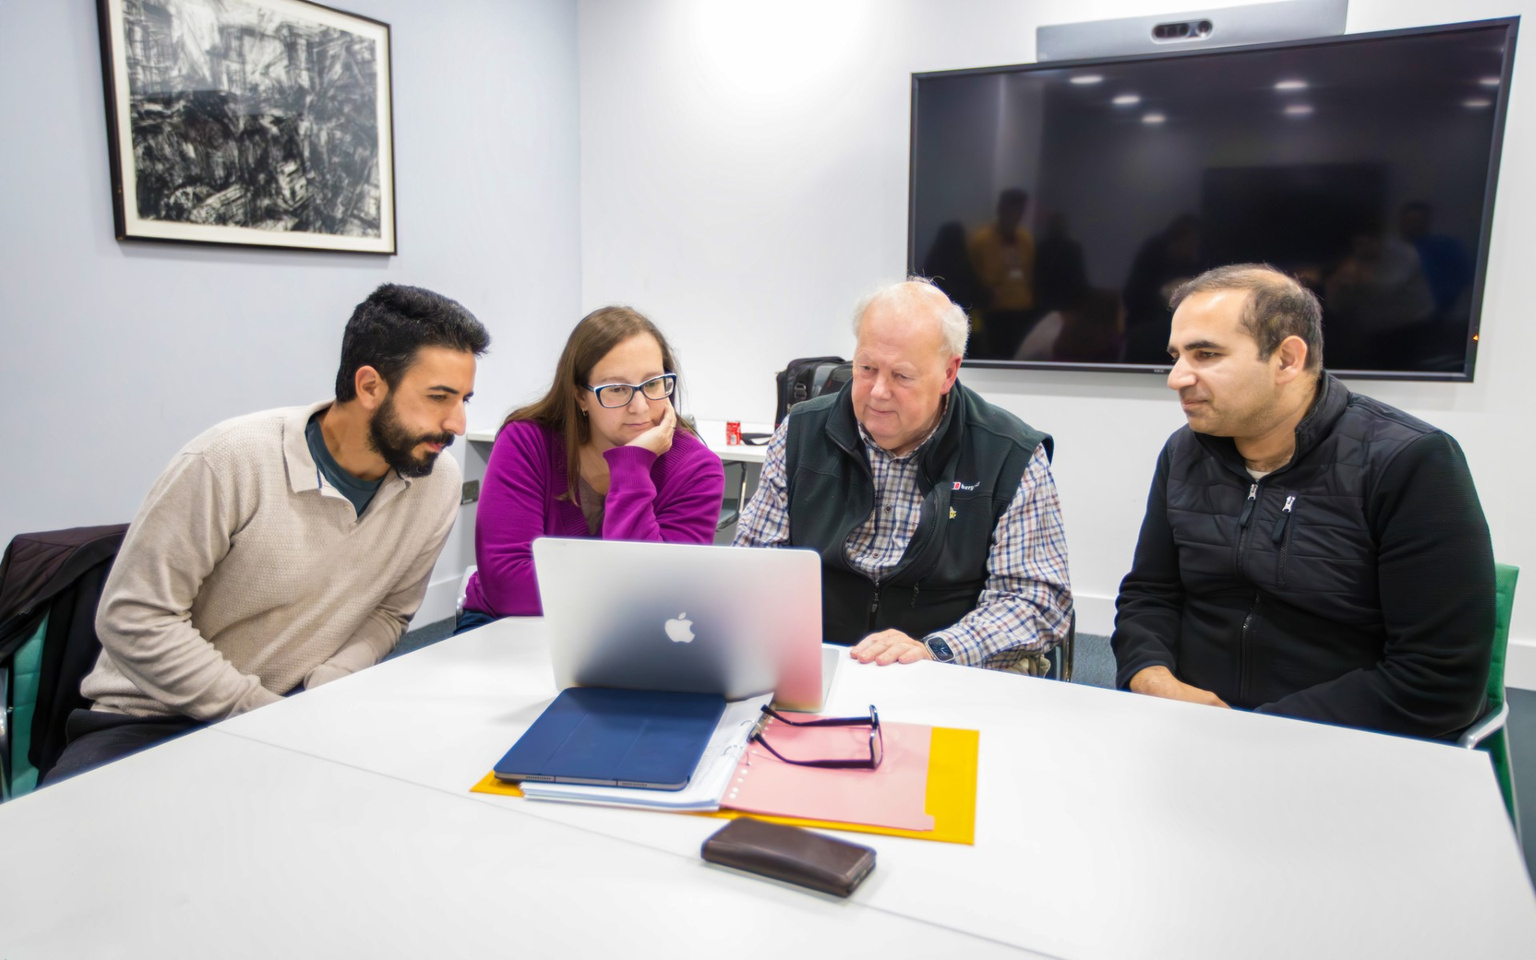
{"x": 733, "y": 433}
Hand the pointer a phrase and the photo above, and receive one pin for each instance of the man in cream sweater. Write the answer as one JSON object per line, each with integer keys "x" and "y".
{"x": 284, "y": 549}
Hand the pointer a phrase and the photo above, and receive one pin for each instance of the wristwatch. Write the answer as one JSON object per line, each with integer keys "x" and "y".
{"x": 939, "y": 649}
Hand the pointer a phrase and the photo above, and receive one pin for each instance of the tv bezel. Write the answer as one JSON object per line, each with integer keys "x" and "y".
{"x": 1485, "y": 233}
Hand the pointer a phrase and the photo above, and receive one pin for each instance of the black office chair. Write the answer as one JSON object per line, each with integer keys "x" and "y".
{"x": 1060, "y": 656}
{"x": 50, "y": 585}
{"x": 730, "y": 508}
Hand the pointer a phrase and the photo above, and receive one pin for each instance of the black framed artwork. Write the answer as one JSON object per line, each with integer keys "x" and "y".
{"x": 253, "y": 122}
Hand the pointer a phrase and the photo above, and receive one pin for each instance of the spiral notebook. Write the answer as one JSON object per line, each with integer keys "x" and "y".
{"x": 953, "y": 760}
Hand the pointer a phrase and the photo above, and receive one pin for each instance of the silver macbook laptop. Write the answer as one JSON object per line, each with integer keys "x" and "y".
{"x": 688, "y": 618}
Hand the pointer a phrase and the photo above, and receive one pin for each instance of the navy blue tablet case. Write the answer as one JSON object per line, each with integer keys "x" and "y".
{"x": 622, "y": 738}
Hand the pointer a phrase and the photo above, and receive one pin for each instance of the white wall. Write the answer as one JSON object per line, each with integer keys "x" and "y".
{"x": 744, "y": 179}
{"x": 114, "y": 354}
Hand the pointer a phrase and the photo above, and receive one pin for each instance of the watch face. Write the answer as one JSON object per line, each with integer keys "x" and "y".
{"x": 940, "y": 650}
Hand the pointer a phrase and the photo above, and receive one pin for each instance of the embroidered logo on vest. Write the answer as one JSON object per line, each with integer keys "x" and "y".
{"x": 966, "y": 486}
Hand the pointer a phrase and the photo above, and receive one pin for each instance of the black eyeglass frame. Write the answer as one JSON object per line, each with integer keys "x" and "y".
{"x": 876, "y": 739}
{"x": 669, "y": 381}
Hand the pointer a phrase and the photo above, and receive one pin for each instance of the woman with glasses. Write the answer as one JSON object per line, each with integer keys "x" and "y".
{"x": 602, "y": 454}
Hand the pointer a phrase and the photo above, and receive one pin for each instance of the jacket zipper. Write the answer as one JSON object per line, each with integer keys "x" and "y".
{"x": 1242, "y": 522}
{"x": 1281, "y": 538}
{"x": 1244, "y": 653}
{"x": 1245, "y": 649}
{"x": 874, "y": 607}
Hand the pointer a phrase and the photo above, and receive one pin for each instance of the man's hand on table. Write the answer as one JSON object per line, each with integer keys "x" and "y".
{"x": 1160, "y": 682}
{"x": 888, "y": 647}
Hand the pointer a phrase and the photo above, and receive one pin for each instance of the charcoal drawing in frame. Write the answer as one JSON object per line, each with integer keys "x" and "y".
{"x": 254, "y": 122}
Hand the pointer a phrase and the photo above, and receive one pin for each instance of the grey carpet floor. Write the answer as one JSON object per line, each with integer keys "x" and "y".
{"x": 1094, "y": 665}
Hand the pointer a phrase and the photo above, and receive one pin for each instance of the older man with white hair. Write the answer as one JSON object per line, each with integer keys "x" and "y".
{"x": 934, "y": 511}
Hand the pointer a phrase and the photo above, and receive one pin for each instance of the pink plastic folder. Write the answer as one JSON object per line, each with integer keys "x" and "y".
{"x": 891, "y": 796}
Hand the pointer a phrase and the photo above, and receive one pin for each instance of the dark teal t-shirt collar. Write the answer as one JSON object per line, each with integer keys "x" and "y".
{"x": 360, "y": 492}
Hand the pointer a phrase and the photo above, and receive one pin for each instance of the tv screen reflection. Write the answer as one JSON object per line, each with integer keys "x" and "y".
{"x": 1061, "y": 205}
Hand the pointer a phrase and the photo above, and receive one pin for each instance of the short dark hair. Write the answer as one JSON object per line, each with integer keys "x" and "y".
{"x": 1013, "y": 197}
{"x": 394, "y": 322}
{"x": 1278, "y": 306}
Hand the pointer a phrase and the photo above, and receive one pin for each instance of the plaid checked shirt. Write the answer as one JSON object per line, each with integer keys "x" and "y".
{"x": 1025, "y": 606}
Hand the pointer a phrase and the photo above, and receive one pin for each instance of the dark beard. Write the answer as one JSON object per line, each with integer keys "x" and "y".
{"x": 388, "y": 438}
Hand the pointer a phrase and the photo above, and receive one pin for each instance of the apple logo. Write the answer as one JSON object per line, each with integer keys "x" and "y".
{"x": 681, "y": 629}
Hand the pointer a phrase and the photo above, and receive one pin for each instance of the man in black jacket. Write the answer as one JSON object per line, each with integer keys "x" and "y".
{"x": 1306, "y": 551}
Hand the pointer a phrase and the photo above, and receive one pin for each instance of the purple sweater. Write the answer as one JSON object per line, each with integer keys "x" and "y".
{"x": 673, "y": 498}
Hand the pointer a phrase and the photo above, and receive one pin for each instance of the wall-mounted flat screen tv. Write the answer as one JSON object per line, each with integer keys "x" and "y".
{"x": 1061, "y": 203}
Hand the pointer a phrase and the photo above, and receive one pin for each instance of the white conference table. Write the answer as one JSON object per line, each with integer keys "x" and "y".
{"x": 1108, "y": 825}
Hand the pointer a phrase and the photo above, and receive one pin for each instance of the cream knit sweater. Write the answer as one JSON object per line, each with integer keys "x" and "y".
{"x": 243, "y": 575}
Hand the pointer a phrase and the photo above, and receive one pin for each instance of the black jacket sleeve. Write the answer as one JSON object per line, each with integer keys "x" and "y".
{"x": 1150, "y": 606}
{"x": 1435, "y": 576}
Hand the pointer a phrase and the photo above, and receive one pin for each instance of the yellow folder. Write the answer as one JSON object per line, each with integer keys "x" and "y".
{"x": 952, "y": 763}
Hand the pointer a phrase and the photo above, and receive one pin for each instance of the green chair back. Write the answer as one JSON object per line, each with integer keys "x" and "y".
{"x": 1504, "y": 576}
{"x": 1497, "y": 744}
{"x": 26, "y": 672}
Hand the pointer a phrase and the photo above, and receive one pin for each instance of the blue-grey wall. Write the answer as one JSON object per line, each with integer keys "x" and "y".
{"x": 113, "y": 354}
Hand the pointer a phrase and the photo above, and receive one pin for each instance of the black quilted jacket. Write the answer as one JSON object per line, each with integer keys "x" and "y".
{"x": 1352, "y": 586}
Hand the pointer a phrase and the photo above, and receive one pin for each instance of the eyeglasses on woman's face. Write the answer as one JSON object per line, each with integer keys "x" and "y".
{"x": 620, "y": 394}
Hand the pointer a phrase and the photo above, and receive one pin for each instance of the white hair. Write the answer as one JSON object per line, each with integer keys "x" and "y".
{"x": 919, "y": 294}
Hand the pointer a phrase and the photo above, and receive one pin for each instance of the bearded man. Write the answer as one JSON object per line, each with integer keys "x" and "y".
{"x": 284, "y": 549}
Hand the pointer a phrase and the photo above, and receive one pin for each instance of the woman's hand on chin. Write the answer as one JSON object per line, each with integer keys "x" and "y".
{"x": 658, "y": 439}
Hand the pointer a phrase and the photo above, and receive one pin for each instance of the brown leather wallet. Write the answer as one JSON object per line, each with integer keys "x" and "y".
{"x": 791, "y": 854}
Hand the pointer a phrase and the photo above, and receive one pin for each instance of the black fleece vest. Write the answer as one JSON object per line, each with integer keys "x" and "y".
{"x": 968, "y": 473}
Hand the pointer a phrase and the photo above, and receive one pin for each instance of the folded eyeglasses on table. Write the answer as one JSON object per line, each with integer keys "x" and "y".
{"x": 876, "y": 739}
